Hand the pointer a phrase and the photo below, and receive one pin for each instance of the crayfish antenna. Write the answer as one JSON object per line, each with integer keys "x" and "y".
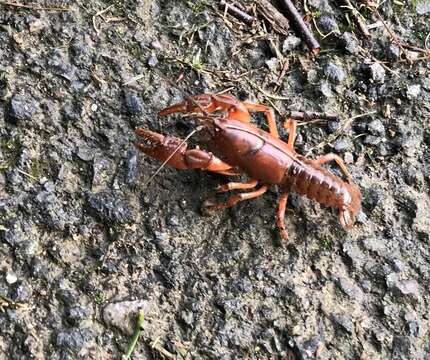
{"x": 177, "y": 108}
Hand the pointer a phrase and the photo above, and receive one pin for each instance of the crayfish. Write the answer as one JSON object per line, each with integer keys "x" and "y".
{"x": 238, "y": 147}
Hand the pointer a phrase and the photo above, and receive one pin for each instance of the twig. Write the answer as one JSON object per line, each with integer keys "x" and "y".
{"x": 27, "y": 174}
{"x": 278, "y": 21}
{"x": 5, "y": 302}
{"x": 282, "y": 74}
{"x": 357, "y": 17}
{"x": 34, "y": 6}
{"x": 155, "y": 345}
{"x": 312, "y": 115}
{"x": 301, "y": 27}
{"x": 133, "y": 79}
{"x": 237, "y": 13}
{"x": 100, "y": 13}
{"x": 135, "y": 338}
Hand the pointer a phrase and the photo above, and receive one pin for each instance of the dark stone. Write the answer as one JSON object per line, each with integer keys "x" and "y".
{"x": 132, "y": 167}
{"x": 68, "y": 297}
{"x": 398, "y": 265}
{"x": 376, "y": 127}
{"x": 376, "y": 72}
{"x": 393, "y": 52}
{"x": 402, "y": 287}
{"x": 342, "y": 145}
{"x": 76, "y": 314}
{"x": 187, "y": 317}
{"x": 327, "y": 24}
{"x": 335, "y": 73}
{"x": 81, "y": 53}
{"x": 345, "y": 322}
{"x": 71, "y": 112}
{"x": 377, "y": 271}
{"x": 110, "y": 207}
{"x": 75, "y": 339}
{"x": 59, "y": 64}
{"x": 152, "y": 60}
{"x": 350, "y": 43}
{"x": 371, "y": 140}
{"x": 133, "y": 103}
{"x": 22, "y": 107}
{"x": 371, "y": 198}
{"x": 37, "y": 268}
{"x": 401, "y": 347}
{"x": 21, "y": 293}
{"x": 413, "y": 328}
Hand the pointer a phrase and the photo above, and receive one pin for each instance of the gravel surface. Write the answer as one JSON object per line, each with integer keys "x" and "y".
{"x": 85, "y": 245}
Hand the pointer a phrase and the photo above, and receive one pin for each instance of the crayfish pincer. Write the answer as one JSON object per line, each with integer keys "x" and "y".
{"x": 235, "y": 147}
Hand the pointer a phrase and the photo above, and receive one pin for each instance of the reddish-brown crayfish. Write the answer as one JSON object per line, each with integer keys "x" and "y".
{"x": 238, "y": 147}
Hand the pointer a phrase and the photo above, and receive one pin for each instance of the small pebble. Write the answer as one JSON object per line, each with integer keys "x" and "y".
{"x": 272, "y": 64}
{"x": 327, "y": 24}
{"x": 156, "y": 45}
{"x": 133, "y": 103}
{"x": 152, "y": 60}
{"x": 290, "y": 43}
{"x": 350, "y": 43}
{"x": 325, "y": 90}
{"x": 413, "y": 91}
{"x": 393, "y": 52}
{"x": 348, "y": 158}
{"x": 422, "y": 7}
{"x": 377, "y": 72}
{"x": 22, "y": 107}
{"x": 376, "y": 127}
{"x": 11, "y": 278}
{"x": 335, "y": 73}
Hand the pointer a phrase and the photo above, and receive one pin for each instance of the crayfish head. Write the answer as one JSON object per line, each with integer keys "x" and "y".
{"x": 350, "y": 209}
